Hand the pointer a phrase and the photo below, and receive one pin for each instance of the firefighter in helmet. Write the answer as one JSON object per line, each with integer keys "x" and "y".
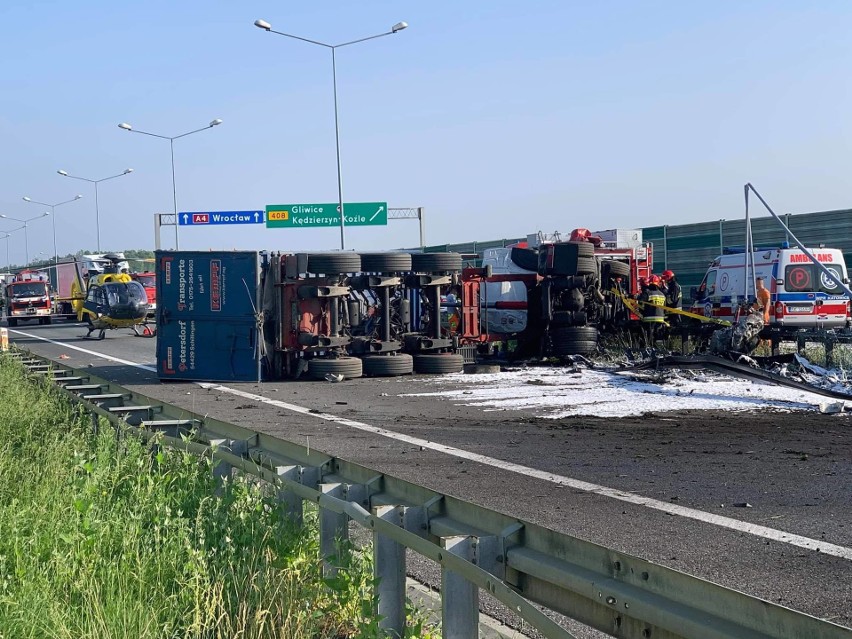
{"x": 653, "y": 314}
{"x": 674, "y": 295}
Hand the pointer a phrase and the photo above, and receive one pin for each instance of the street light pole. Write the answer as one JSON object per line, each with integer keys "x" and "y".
{"x": 95, "y": 182}
{"x": 399, "y": 26}
{"x": 26, "y": 235}
{"x": 53, "y": 218}
{"x": 171, "y": 139}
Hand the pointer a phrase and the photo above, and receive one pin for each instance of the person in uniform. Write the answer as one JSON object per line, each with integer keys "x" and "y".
{"x": 674, "y": 295}
{"x": 653, "y": 314}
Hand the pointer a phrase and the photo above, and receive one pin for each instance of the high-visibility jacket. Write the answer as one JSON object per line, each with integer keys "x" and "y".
{"x": 652, "y": 309}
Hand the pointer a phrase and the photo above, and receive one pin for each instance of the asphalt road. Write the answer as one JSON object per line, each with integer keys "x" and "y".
{"x": 793, "y": 470}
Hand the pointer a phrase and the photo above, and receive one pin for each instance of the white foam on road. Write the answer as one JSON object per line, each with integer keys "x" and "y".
{"x": 563, "y": 392}
{"x": 604, "y": 491}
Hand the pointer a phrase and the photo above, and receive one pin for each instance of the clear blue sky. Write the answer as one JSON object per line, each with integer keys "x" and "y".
{"x": 500, "y": 118}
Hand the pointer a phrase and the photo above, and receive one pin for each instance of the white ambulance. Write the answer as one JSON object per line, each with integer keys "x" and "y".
{"x": 802, "y": 295}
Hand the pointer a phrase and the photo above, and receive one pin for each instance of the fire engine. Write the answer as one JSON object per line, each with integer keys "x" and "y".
{"x": 28, "y": 298}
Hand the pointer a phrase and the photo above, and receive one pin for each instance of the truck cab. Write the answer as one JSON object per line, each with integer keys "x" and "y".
{"x": 28, "y": 298}
{"x": 148, "y": 281}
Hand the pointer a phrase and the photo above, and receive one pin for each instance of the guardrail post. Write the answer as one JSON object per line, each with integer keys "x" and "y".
{"x": 389, "y": 569}
{"x": 293, "y": 504}
{"x": 459, "y": 597}
{"x": 334, "y": 527}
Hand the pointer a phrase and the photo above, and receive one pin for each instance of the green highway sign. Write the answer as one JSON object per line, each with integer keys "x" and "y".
{"x": 280, "y": 216}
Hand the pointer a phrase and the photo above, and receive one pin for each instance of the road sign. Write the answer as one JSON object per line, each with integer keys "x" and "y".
{"x": 213, "y": 218}
{"x": 305, "y": 215}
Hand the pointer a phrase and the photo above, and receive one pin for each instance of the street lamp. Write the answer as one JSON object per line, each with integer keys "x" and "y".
{"x": 95, "y": 182}
{"x": 53, "y": 218}
{"x": 6, "y": 237}
{"x": 399, "y": 26}
{"x": 26, "y": 235}
{"x": 171, "y": 140}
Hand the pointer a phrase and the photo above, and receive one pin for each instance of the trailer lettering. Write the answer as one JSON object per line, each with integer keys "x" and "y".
{"x": 215, "y": 285}
{"x": 182, "y": 347}
{"x": 181, "y": 284}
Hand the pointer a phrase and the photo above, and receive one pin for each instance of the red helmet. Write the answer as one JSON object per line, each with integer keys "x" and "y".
{"x": 667, "y": 275}
{"x": 654, "y": 279}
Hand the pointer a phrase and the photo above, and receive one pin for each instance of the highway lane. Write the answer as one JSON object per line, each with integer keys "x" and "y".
{"x": 793, "y": 470}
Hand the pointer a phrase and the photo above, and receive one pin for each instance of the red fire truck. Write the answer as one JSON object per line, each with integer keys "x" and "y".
{"x": 28, "y": 298}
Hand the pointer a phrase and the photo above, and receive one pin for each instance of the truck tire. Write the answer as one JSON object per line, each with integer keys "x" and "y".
{"x": 526, "y": 258}
{"x": 618, "y": 269}
{"x": 333, "y": 263}
{"x": 584, "y": 249}
{"x": 587, "y": 266}
{"x": 385, "y": 262}
{"x": 388, "y": 365}
{"x": 12, "y": 321}
{"x": 349, "y": 367}
{"x": 438, "y": 363}
{"x": 48, "y": 320}
{"x": 436, "y": 262}
{"x": 574, "y": 340}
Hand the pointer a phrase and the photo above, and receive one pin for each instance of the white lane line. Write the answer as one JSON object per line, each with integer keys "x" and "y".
{"x": 632, "y": 498}
{"x": 87, "y": 351}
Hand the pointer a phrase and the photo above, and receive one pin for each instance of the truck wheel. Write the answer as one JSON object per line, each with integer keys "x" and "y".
{"x": 48, "y": 320}
{"x": 618, "y": 269}
{"x": 13, "y": 321}
{"x": 526, "y": 258}
{"x": 587, "y": 266}
{"x": 584, "y": 249}
{"x": 438, "y": 363}
{"x": 333, "y": 263}
{"x": 574, "y": 340}
{"x": 349, "y": 367}
{"x": 388, "y": 365}
{"x": 436, "y": 262}
{"x": 385, "y": 262}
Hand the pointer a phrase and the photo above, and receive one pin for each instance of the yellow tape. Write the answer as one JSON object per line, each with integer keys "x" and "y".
{"x": 633, "y": 305}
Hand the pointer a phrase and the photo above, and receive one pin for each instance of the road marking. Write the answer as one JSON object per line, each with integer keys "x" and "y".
{"x": 597, "y": 489}
{"x": 621, "y": 495}
{"x": 87, "y": 351}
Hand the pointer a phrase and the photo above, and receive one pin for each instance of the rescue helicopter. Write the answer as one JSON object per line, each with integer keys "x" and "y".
{"x": 111, "y": 299}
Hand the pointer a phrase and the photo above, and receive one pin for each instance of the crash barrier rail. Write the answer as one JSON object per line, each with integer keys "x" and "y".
{"x": 737, "y": 369}
{"x": 525, "y": 566}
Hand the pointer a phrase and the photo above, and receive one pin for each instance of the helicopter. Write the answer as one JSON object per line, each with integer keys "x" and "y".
{"x": 111, "y": 299}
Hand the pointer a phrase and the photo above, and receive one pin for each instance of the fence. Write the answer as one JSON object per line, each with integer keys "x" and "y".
{"x": 519, "y": 563}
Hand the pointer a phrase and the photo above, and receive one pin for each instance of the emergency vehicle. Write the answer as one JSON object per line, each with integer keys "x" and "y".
{"x": 801, "y": 294}
{"x": 28, "y": 297}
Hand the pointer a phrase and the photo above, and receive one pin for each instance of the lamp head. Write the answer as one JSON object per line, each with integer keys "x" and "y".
{"x": 126, "y": 171}
{"x": 125, "y": 126}
{"x": 45, "y": 214}
{"x": 262, "y": 24}
{"x": 399, "y": 26}
{"x": 77, "y": 197}
{"x": 216, "y": 122}
{"x": 61, "y": 172}
{"x": 26, "y": 199}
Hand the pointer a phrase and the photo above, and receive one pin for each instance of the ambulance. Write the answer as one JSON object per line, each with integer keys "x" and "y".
{"x": 802, "y": 295}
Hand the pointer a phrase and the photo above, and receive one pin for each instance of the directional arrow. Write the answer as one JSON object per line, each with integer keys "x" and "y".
{"x": 381, "y": 208}
{"x": 185, "y": 218}
{"x": 256, "y": 215}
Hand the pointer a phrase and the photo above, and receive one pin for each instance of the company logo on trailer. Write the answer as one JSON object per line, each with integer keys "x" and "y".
{"x": 215, "y": 285}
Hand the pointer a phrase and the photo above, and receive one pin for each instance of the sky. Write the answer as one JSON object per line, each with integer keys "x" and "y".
{"x": 499, "y": 118}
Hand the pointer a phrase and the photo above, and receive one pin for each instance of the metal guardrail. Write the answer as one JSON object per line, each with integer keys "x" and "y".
{"x": 525, "y": 566}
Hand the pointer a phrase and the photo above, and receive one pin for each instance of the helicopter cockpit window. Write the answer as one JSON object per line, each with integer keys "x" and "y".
{"x": 129, "y": 293}
{"x": 96, "y": 296}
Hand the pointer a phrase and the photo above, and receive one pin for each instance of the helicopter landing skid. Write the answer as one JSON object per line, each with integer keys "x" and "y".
{"x": 147, "y": 331}
{"x": 101, "y": 333}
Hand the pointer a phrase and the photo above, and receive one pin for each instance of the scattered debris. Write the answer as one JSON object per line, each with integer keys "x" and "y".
{"x": 831, "y": 408}
{"x": 742, "y": 504}
{"x": 333, "y": 377}
{"x": 64, "y": 356}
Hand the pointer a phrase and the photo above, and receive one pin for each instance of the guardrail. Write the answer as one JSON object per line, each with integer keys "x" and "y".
{"x": 519, "y": 563}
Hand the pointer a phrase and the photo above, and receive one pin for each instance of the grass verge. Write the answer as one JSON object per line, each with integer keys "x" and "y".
{"x": 106, "y": 537}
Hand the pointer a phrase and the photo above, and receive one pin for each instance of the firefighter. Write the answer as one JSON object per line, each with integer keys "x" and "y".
{"x": 653, "y": 313}
{"x": 674, "y": 295}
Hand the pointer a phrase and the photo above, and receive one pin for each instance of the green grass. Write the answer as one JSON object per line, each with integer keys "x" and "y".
{"x": 105, "y": 537}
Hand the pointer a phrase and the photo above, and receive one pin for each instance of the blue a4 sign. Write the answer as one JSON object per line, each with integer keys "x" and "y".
{"x": 212, "y": 218}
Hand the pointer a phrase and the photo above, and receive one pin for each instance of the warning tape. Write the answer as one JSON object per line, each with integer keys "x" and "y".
{"x": 633, "y": 305}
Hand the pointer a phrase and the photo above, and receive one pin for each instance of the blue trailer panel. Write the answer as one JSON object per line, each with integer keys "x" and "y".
{"x": 206, "y": 327}
{"x": 207, "y": 283}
